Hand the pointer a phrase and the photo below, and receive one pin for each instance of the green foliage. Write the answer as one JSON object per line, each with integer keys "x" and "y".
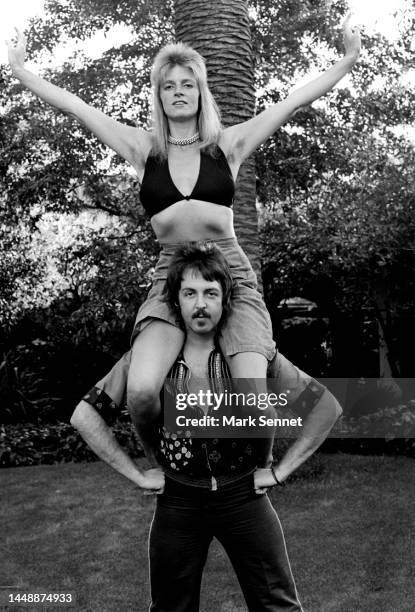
{"x": 389, "y": 431}
{"x": 351, "y": 233}
{"x": 22, "y": 445}
{"x": 391, "y": 422}
{"x": 284, "y": 35}
{"x": 76, "y": 321}
{"x": 337, "y": 185}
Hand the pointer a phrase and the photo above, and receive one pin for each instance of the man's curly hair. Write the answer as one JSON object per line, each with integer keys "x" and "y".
{"x": 207, "y": 259}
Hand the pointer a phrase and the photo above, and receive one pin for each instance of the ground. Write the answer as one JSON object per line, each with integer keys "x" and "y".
{"x": 83, "y": 528}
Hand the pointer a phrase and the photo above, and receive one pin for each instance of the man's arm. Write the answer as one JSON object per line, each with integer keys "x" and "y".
{"x": 101, "y": 440}
{"x": 314, "y": 431}
{"x": 318, "y": 409}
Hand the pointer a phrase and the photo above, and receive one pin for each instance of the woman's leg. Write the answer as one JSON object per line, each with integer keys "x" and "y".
{"x": 248, "y": 365}
{"x": 153, "y": 354}
{"x": 249, "y": 372}
{"x": 246, "y": 341}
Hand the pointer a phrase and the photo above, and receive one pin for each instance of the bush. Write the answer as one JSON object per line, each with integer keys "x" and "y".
{"x": 390, "y": 431}
{"x": 27, "y": 444}
{"x": 42, "y": 381}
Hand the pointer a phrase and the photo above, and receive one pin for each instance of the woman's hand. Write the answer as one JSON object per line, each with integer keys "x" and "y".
{"x": 17, "y": 51}
{"x": 351, "y": 39}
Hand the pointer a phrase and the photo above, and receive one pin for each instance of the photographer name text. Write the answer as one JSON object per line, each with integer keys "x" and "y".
{"x": 233, "y": 421}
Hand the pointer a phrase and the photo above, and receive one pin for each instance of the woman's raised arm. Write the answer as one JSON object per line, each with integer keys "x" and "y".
{"x": 127, "y": 141}
{"x": 242, "y": 139}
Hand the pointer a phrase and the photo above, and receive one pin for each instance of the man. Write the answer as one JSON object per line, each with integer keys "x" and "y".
{"x": 210, "y": 484}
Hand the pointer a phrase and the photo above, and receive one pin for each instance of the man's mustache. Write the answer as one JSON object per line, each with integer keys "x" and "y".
{"x": 200, "y": 313}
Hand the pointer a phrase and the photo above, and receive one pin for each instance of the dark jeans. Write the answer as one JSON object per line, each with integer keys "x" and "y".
{"x": 185, "y": 521}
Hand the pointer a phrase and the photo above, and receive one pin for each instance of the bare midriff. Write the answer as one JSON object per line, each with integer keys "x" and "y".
{"x": 190, "y": 220}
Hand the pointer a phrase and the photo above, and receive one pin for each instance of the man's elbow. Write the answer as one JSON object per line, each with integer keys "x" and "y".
{"x": 337, "y": 407}
{"x": 332, "y": 405}
{"x": 74, "y": 420}
{"x": 79, "y": 415}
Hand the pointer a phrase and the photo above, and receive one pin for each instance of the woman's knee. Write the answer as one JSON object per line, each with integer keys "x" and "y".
{"x": 247, "y": 365}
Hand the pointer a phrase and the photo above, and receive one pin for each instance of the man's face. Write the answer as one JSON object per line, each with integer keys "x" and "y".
{"x": 200, "y": 302}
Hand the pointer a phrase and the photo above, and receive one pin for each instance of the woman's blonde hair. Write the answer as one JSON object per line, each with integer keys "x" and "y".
{"x": 209, "y": 124}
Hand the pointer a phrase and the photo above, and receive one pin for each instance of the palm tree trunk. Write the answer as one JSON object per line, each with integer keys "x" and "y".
{"x": 219, "y": 30}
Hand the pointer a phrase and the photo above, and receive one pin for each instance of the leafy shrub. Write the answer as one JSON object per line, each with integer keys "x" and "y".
{"x": 69, "y": 331}
{"x": 27, "y": 444}
{"x": 389, "y": 431}
{"x": 42, "y": 381}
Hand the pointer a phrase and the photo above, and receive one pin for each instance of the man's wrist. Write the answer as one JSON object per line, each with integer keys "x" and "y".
{"x": 139, "y": 478}
{"x": 276, "y": 476}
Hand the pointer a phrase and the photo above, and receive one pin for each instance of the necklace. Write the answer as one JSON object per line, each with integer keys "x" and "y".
{"x": 182, "y": 142}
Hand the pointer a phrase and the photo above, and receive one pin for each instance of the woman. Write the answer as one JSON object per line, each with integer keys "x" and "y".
{"x": 187, "y": 167}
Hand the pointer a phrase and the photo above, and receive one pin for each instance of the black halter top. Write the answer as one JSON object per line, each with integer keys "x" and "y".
{"x": 214, "y": 184}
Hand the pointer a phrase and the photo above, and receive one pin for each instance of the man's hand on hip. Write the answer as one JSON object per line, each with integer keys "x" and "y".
{"x": 263, "y": 480}
{"x": 152, "y": 481}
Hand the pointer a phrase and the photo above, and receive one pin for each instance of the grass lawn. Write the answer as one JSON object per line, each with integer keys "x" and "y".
{"x": 82, "y": 528}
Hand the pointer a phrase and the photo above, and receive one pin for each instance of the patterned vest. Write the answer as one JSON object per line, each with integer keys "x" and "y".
{"x": 203, "y": 461}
